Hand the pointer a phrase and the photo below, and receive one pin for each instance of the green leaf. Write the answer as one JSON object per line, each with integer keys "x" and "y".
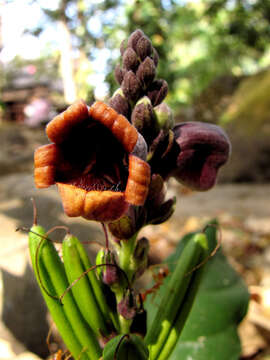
{"x": 126, "y": 347}
{"x": 220, "y": 305}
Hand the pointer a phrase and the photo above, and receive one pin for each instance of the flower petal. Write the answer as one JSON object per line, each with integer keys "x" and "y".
{"x": 120, "y": 127}
{"x": 60, "y": 128}
{"x": 93, "y": 205}
{"x": 46, "y": 158}
{"x": 138, "y": 181}
{"x": 104, "y": 205}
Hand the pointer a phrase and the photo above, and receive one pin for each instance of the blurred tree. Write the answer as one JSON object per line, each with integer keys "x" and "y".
{"x": 247, "y": 21}
{"x": 79, "y": 39}
{"x": 199, "y": 41}
{"x": 154, "y": 18}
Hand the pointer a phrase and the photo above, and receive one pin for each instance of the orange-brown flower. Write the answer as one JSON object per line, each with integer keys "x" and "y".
{"x": 94, "y": 161}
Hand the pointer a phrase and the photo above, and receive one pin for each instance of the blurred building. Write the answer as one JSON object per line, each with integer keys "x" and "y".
{"x": 26, "y": 99}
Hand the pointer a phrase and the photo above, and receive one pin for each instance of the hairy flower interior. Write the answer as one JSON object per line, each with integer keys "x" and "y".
{"x": 93, "y": 160}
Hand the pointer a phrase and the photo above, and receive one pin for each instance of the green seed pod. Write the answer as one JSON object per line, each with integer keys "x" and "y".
{"x": 82, "y": 290}
{"x": 139, "y": 260}
{"x": 174, "y": 299}
{"x": 51, "y": 277}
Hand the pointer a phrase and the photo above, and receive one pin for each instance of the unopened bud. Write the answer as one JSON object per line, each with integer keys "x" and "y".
{"x": 140, "y": 258}
{"x": 157, "y": 91}
{"x": 140, "y": 148}
{"x": 146, "y": 72}
{"x": 130, "y": 59}
{"x": 134, "y": 37}
{"x": 144, "y": 47}
{"x": 164, "y": 116}
{"x": 124, "y": 228}
{"x": 141, "y": 249}
{"x": 157, "y": 191}
{"x": 119, "y": 74}
{"x": 127, "y": 306}
{"x": 119, "y": 103}
{"x": 144, "y": 120}
{"x": 108, "y": 272}
{"x": 163, "y": 213}
{"x": 131, "y": 86}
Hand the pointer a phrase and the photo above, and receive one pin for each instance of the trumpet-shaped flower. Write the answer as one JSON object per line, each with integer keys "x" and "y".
{"x": 96, "y": 158}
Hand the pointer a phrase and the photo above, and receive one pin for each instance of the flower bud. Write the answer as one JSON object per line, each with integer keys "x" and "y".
{"x": 119, "y": 74}
{"x": 128, "y": 225}
{"x": 163, "y": 154}
{"x": 109, "y": 274}
{"x": 164, "y": 116}
{"x": 140, "y": 256}
{"x": 127, "y": 306}
{"x": 157, "y": 191}
{"x": 162, "y": 213}
{"x": 204, "y": 148}
{"x": 119, "y": 103}
{"x": 140, "y": 148}
{"x": 130, "y": 59}
{"x": 144, "y": 47}
{"x": 131, "y": 86}
{"x": 124, "y": 228}
{"x": 143, "y": 119}
{"x": 157, "y": 91}
{"x": 146, "y": 72}
{"x": 134, "y": 38}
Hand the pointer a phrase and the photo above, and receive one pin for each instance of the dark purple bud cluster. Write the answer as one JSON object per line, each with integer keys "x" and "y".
{"x": 140, "y": 92}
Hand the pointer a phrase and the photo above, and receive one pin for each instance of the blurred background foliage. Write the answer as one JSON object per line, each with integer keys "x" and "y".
{"x": 197, "y": 41}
